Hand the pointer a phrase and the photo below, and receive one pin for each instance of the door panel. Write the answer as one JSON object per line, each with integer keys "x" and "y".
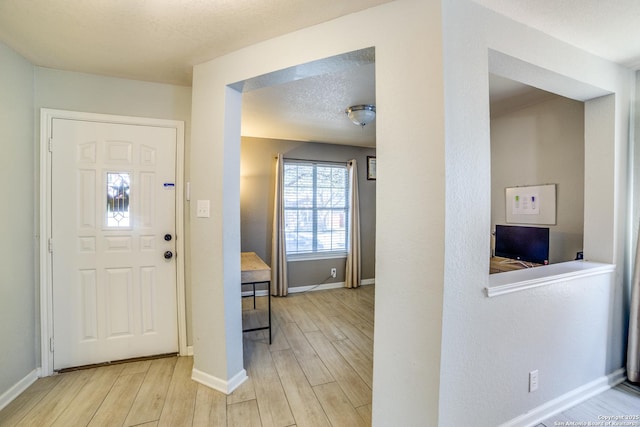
{"x": 113, "y": 200}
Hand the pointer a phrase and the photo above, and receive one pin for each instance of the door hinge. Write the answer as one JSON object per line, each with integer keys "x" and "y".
{"x": 50, "y": 145}
{"x": 51, "y": 344}
{"x": 50, "y": 245}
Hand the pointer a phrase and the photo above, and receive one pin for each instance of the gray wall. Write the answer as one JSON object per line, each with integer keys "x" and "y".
{"x": 17, "y": 222}
{"x": 257, "y": 160}
{"x": 543, "y": 144}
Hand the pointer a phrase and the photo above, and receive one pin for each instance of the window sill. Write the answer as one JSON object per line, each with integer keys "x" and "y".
{"x": 519, "y": 280}
{"x": 315, "y": 256}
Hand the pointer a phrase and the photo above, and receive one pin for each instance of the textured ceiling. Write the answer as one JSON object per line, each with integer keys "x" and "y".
{"x": 608, "y": 29}
{"x": 311, "y": 106}
{"x": 152, "y": 40}
{"x": 161, "y": 40}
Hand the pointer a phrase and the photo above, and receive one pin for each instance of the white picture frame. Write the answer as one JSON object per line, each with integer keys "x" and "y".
{"x": 531, "y": 204}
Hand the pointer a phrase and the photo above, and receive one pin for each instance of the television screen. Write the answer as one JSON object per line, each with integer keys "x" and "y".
{"x": 523, "y": 243}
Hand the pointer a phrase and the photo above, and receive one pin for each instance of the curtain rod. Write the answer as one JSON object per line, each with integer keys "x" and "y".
{"x": 315, "y": 161}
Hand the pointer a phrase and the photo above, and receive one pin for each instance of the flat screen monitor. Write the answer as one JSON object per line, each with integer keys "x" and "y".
{"x": 523, "y": 243}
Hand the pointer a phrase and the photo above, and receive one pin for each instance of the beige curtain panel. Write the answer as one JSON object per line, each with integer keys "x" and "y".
{"x": 353, "y": 266}
{"x": 279, "y": 285}
{"x": 633, "y": 351}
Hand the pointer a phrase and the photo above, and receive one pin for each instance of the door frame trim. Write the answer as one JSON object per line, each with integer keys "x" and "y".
{"x": 46, "y": 278}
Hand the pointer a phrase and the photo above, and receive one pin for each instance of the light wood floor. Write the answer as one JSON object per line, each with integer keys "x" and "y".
{"x": 317, "y": 372}
{"x": 620, "y": 406}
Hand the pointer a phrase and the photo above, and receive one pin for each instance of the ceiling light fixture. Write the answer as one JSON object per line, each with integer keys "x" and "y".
{"x": 361, "y": 115}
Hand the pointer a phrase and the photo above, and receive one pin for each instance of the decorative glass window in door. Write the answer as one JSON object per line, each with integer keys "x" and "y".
{"x": 118, "y": 199}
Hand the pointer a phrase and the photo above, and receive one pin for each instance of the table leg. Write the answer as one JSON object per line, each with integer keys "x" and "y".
{"x": 268, "y": 283}
{"x": 269, "y": 305}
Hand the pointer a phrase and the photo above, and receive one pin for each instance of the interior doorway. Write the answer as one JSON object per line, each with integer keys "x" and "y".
{"x": 300, "y": 112}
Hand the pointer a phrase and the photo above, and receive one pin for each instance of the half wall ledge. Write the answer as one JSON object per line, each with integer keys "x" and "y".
{"x": 520, "y": 280}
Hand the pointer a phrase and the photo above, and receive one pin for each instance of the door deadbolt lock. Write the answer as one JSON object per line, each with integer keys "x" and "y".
{"x": 168, "y": 255}
{"x": 167, "y": 237}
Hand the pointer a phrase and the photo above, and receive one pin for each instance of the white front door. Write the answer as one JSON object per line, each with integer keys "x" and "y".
{"x": 113, "y": 221}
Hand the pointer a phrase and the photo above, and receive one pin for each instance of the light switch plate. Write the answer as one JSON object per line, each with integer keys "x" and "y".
{"x": 202, "y": 209}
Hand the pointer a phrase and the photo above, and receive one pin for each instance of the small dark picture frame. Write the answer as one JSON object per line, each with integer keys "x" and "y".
{"x": 371, "y": 167}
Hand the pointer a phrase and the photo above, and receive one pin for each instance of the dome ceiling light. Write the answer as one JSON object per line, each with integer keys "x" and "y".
{"x": 361, "y": 115}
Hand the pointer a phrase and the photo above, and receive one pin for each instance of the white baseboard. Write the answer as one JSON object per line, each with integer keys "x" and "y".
{"x": 189, "y": 350}
{"x": 568, "y": 400}
{"x": 216, "y": 383}
{"x": 15, "y": 391}
{"x": 309, "y": 288}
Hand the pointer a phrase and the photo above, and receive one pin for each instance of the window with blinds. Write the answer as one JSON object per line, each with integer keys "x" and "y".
{"x": 315, "y": 207}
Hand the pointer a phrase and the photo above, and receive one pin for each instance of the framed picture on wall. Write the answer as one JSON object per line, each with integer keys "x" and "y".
{"x": 531, "y": 204}
{"x": 371, "y": 167}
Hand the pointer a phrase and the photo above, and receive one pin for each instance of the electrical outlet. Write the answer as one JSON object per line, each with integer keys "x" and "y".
{"x": 533, "y": 381}
{"x": 334, "y": 272}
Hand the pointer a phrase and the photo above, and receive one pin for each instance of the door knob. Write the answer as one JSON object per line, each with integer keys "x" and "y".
{"x": 168, "y": 255}
{"x": 167, "y": 237}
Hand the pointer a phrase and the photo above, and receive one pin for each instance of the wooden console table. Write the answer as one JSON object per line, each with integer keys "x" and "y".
{"x": 255, "y": 272}
{"x": 500, "y": 265}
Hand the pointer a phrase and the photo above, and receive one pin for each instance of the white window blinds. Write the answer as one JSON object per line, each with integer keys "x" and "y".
{"x": 315, "y": 207}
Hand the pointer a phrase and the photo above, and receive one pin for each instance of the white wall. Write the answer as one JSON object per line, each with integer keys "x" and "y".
{"x": 491, "y": 344}
{"x": 488, "y": 345}
{"x": 537, "y": 144}
{"x": 410, "y": 199}
{"x": 634, "y": 189}
{"x": 64, "y": 90}
{"x": 17, "y": 224}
